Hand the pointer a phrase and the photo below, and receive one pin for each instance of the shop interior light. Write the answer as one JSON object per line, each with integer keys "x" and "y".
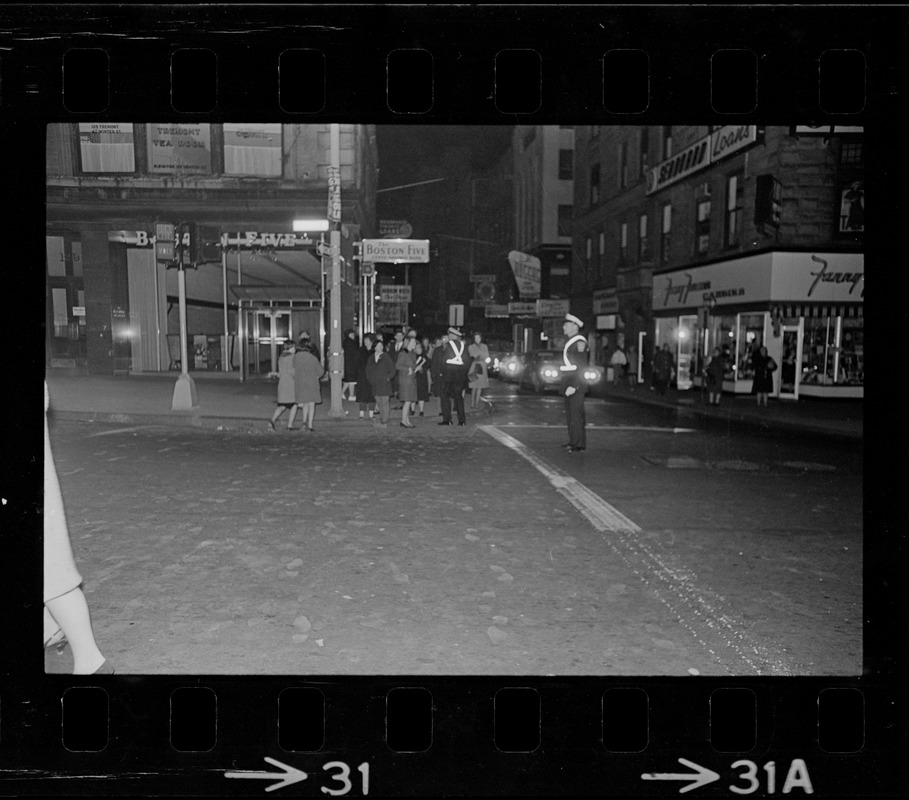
{"x": 310, "y": 225}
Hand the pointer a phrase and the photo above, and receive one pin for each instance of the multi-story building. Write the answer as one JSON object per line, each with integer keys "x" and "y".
{"x": 544, "y": 192}
{"x": 725, "y": 236}
{"x": 122, "y": 198}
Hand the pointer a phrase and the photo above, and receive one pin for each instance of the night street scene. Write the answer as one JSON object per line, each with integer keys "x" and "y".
{"x": 546, "y": 400}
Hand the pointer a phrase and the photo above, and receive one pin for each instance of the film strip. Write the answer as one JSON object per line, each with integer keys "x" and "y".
{"x": 600, "y": 731}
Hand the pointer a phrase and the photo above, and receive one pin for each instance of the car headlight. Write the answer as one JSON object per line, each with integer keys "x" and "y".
{"x": 550, "y": 373}
{"x": 591, "y": 375}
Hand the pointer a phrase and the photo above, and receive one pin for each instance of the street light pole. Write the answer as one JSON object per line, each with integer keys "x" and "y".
{"x": 336, "y": 358}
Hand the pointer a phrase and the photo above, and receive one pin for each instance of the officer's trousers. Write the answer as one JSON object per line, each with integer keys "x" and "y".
{"x": 452, "y": 390}
{"x": 577, "y": 420}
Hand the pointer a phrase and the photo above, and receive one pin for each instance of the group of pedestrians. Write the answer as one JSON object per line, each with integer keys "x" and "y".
{"x": 377, "y": 372}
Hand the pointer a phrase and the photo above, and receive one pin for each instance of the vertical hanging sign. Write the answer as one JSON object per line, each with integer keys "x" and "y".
{"x": 334, "y": 193}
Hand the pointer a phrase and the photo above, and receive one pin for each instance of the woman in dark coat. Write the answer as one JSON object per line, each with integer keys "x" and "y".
{"x": 380, "y": 369}
{"x": 351, "y": 349}
{"x": 363, "y": 392}
{"x": 764, "y": 367}
{"x": 421, "y": 371}
{"x": 714, "y": 372}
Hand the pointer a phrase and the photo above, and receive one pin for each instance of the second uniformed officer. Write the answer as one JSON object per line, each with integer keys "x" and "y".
{"x": 574, "y": 384}
{"x": 454, "y": 377}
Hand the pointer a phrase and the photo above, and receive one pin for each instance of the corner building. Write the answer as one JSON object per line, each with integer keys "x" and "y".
{"x": 725, "y": 236}
{"x": 231, "y": 193}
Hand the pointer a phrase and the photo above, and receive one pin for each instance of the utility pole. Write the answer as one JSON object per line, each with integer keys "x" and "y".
{"x": 184, "y": 398}
{"x": 336, "y": 357}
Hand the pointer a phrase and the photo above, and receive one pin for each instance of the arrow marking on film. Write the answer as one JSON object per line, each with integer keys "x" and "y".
{"x": 701, "y": 777}
{"x": 289, "y": 776}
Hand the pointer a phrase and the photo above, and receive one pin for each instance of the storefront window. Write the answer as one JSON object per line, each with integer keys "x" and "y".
{"x": 751, "y": 337}
{"x": 833, "y": 351}
{"x": 725, "y": 340}
{"x": 852, "y": 353}
{"x": 818, "y": 350}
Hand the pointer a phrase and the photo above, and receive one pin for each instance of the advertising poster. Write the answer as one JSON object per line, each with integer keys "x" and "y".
{"x": 107, "y": 147}
{"x": 252, "y": 148}
{"x": 179, "y": 149}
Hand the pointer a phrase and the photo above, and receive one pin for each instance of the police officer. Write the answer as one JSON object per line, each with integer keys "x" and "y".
{"x": 574, "y": 384}
{"x": 454, "y": 377}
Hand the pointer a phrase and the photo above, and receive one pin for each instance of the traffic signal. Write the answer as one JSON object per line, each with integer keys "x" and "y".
{"x": 206, "y": 244}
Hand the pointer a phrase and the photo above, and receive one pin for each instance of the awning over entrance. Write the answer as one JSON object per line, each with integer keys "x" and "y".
{"x": 278, "y": 294}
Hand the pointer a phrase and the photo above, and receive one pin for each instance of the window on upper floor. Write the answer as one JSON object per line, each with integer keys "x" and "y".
{"x": 644, "y": 152}
{"x": 735, "y": 193}
{"x": 643, "y": 249}
{"x": 594, "y": 184}
{"x": 565, "y": 220}
{"x": 666, "y": 234}
{"x": 702, "y": 219}
{"x": 622, "y": 158}
{"x": 851, "y": 153}
{"x": 667, "y": 141}
{"x": 566, "y": 165}
{"x": 601, "y": 252}
{"x": 623, "y": 242}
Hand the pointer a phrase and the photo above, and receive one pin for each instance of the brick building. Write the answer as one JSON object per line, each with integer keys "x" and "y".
{"x": 112, "y": 301}
{"x": 725, "y": 236}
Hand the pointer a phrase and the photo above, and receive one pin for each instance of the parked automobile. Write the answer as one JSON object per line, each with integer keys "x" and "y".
{"x": 542, "y": 371}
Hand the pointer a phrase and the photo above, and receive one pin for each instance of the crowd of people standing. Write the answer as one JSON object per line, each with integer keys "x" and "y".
{"x": 403, "y": 369}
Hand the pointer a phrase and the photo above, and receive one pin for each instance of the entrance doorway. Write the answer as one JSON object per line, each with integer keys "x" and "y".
{"x": 266, "y": 332}
{"x": 790, "y": 362}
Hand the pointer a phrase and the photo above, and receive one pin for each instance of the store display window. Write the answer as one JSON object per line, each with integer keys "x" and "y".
{"x": 852, "y": 353}
{"x": 750, "y": 338}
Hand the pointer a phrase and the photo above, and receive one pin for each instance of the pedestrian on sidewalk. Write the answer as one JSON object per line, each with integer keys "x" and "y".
{"x": 714, "y": 372}
{"x": 365, "y": 396}
{"x": 764, "y": 366}
{"x": 350, "y": 347}
{"x": 436, "y": 364}
{"x": 308, "y": 372}
{"x": 380, "y": 370}
{"x": 66, "y": 614}
{"x": 395, "y": 349}
{"x": 619, "y": 363}
{"x": 632, "y": 367}
{"x": 407, "y": 380}
{"x": 575, "y": 358}
{"x": 286, "y": 392}
{"x": 454, "y": 377}
{"x": 422, "y": 378}
{"x": 478, "y": 378}
{"x": 663, "y": 369}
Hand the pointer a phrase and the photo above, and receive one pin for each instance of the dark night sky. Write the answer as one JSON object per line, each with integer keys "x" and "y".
{"x": 406, "y": 151}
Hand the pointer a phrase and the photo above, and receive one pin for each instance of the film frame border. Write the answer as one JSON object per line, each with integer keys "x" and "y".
{"x": 30, "y": 96}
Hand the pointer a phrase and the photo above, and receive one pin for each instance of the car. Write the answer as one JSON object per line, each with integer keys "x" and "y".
{"x": 494, "y": 363}
{"x": 510, "y": 367}
{"x": 543, "y": 371}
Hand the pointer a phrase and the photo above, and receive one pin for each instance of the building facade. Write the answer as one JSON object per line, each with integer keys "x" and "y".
{"x": 126, "y": 200}
{"x": 544, "y": 194}
{"x": 725, "y": 236}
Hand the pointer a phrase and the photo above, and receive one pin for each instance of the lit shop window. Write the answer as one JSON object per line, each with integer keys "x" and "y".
{"x": 833, "y": 351}
{"x": 751, "y": 337}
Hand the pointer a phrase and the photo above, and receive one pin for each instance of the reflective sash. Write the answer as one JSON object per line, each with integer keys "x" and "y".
{"x": 457, "y": 356}
{"x": 567, "y": 366}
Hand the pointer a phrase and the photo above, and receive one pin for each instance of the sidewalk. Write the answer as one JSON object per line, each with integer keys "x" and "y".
{"x": 835, "y": 419}
{"x": 225, "y": 402}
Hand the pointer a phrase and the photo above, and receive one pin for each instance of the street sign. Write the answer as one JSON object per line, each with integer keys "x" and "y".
{"x": 456, "y": 315}
{"x": 391, "y": 293}
{"x": 396, "y": 251}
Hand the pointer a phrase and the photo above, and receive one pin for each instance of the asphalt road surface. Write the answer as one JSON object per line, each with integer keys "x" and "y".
{"x": 667, "y": 548}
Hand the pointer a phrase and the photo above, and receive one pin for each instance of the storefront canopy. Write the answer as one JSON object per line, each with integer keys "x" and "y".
{"x": 278, "y": 294}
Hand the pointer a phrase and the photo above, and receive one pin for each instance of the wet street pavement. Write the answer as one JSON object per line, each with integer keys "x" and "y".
{"x": 667, "y": 548}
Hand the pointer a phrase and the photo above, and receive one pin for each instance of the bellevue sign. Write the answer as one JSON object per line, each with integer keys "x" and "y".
{"x": 396, "y": 251}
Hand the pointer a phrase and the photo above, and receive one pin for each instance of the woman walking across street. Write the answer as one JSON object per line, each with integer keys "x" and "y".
{"x": 421, "y": 374}
{"x": 714, "y": 372}
{"x": 380, "y": 369}
{"x": 66, "y": 615}
{"x": 479, "y": 376}
{"x": 407, "y": 380}
{"x": 364, "y": 393}
{"x": 764, "y": 367}
{"x": 286, "y": 398}
{"x": 308, "y": 372}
